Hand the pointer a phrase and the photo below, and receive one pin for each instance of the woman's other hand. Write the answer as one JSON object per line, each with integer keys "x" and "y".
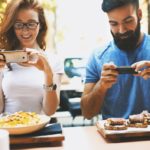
{"x": 37, "y": 58}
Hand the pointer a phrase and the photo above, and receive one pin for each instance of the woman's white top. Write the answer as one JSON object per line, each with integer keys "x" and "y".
{"x": 23, "y": 86}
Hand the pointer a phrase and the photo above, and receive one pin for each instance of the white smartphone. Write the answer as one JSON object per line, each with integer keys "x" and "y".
{"x": 14, "y": 56}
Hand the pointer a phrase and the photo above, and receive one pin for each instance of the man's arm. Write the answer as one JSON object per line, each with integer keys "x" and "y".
{"x": 92, "y": 100}
{"x": 94, "y": 93}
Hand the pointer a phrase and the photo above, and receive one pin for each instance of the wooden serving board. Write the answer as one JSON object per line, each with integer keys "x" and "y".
{"x": 122, "y": 134}
{"x": 51, "y": 133}
{"x": 37, "y": 139}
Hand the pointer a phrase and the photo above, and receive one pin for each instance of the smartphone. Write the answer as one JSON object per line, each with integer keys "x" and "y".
{"x": 16, "y": 56}
{"x": 126, "y": 70}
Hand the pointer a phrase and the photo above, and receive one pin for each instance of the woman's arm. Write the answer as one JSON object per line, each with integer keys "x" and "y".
{"x": 1, "y": 94}
{"x": 2, "y": 107}
{"x": 50, "y": 97}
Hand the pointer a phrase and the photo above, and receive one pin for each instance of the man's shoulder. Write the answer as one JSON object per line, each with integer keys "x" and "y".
{"x": 145, "y": 44}
{"x": 98, "y": 52}
{"x": 146, "y": 36}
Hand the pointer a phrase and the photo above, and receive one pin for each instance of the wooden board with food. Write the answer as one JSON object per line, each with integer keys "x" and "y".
{"x": 137, "y": 125}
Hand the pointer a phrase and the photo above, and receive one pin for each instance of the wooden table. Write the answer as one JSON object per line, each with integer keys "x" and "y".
{"x": 88, "y": 138}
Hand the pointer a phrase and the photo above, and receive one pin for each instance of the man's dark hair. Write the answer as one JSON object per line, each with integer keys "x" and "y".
{"x": 108, "y": 5}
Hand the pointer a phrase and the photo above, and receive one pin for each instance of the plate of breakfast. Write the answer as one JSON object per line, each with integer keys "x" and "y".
{"x": 137, "y": 125}
{"x": 23, "y": 122}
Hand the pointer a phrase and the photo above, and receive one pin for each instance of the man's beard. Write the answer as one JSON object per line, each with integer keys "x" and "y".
{"x": 131, "y": 42}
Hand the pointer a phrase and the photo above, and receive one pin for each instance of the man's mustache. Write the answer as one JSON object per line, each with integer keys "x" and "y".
{"x": 124, "y": 35}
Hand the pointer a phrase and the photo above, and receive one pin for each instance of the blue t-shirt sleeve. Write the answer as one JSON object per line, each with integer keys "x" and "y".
{"x": 95, "y": 63}
{"x": 92, "y": 70}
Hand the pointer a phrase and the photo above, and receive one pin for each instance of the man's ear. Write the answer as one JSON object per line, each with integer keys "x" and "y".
{"x": 139, "y": 13}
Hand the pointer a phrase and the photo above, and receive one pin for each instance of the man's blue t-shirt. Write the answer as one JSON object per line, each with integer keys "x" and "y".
{"x": 130, "y": 94}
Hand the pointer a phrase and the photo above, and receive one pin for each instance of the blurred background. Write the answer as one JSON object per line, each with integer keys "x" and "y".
{"x": 76, "y": 28}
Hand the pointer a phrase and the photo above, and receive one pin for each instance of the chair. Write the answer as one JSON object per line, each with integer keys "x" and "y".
{"x": 70, "y": 101}
{"x": 75, "y": 110}
{"x": 74, "y": 106}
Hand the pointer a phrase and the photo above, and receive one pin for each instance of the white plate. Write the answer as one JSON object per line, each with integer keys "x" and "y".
{"x": 29, "y": 129}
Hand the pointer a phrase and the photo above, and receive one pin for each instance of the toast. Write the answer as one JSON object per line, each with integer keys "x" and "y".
{"x": 137, "y": 121}
{"x": 115, "y": 124}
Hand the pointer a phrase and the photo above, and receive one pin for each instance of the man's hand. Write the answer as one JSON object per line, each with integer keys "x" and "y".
{"x": 109, "y": 75}
{"x": 143, "y": 67}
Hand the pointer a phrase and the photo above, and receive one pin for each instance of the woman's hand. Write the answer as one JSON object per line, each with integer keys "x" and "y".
{"x": 143, "y": 67}
{"x": 37, "y": 59}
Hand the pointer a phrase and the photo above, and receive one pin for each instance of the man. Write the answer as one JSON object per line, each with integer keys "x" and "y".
{"x": 107, "y": 91}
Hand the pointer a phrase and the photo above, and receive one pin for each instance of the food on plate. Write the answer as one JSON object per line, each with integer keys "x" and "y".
{"x": 137, "y": 121}
{"x": 146, "y": 115}
{"x": 115, "y": 124}
{"x": 19, "y": 119}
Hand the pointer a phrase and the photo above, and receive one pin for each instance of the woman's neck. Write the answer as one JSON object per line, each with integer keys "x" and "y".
{"x": 35, "y": 46}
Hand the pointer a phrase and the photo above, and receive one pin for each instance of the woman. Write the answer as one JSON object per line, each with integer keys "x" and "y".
{"x": 24, "y": 27}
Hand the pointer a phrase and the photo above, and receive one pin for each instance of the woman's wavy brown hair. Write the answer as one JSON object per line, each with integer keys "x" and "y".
{"x": 8, "y": 39}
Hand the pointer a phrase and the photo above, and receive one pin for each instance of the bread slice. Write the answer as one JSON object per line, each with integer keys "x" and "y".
{"x": 137, "y": 121}
{"x": 137, "y": 125}
{"x": 115, "y": 124}
{"x": 115, "y": 127}
{"x": 146, "y": 115}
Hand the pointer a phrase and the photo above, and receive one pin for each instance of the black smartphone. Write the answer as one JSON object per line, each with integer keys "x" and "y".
{"x": 126, "y": 70}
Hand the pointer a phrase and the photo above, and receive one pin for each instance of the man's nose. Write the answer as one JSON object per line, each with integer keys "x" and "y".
{"x": 122, "y": 28}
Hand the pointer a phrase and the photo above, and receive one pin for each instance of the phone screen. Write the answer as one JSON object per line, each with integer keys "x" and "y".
{"x": 126, "y": 70}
